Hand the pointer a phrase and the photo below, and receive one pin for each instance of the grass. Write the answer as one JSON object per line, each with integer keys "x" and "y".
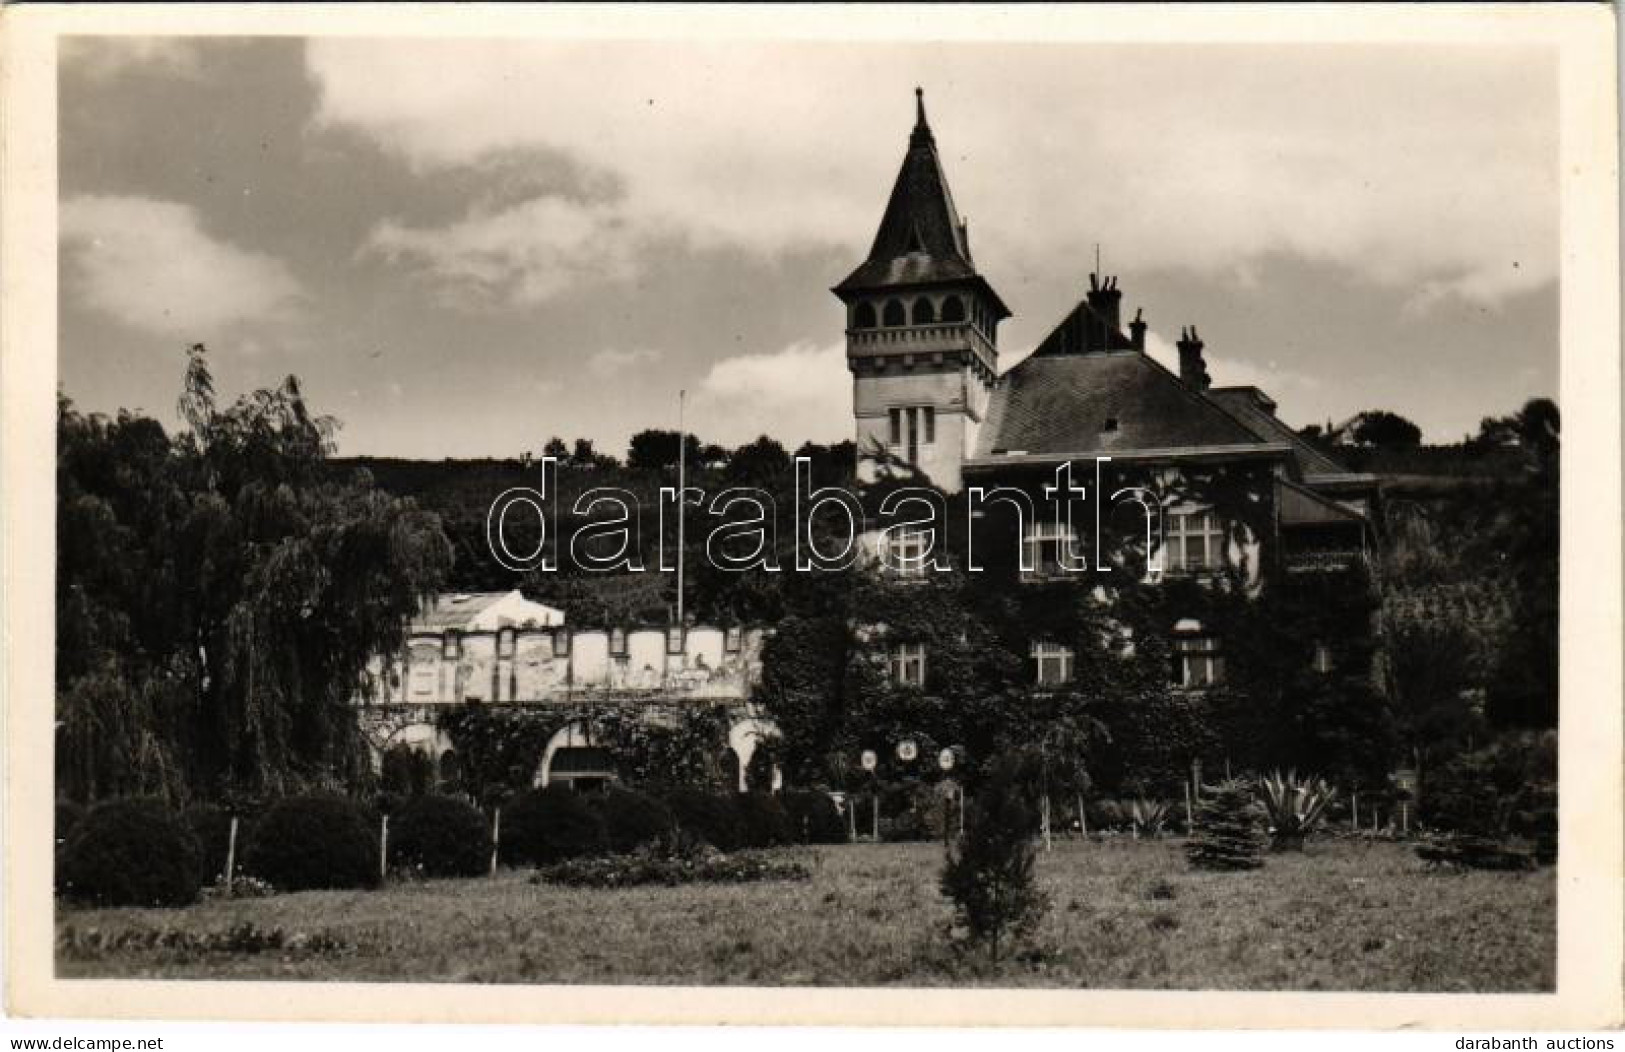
{"x": 1345, "y": 915}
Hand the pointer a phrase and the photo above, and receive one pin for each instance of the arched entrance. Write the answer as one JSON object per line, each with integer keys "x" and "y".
{"x": 573, "y": 760}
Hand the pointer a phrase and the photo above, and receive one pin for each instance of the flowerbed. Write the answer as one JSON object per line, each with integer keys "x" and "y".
{"x": 625, "y": 871}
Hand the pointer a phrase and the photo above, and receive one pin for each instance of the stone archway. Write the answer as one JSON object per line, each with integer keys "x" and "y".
{"x": 743, "y": 739}
{"x": 572, "y": 758}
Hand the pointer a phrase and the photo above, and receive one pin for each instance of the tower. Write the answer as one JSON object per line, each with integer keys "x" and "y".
{"x": 921, "y": 328}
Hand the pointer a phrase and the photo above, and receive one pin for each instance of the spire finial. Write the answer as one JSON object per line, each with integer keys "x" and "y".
{"x": 922, "y": 130}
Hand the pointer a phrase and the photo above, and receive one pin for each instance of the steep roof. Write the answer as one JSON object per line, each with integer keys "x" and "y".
{"x": 1061, "y": 405}
{"x": 1253, "y": 408}
{"x": 922, "y": 238}
{"x": 1302, "y": 506}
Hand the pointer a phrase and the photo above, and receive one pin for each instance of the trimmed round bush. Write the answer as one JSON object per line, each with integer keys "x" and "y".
{"x": 813, "y": 817}
{"x": 631, "y": 819}
{"x": 440, "y": 836}
{"x": 130, "y": 853}
{"x": 711, "y": 817}
{"x": 317, "y": 841}
{"x": 550, "y": 825}
{"x": 762, "y": 820}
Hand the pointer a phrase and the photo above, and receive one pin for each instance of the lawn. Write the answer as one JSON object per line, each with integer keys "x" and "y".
{"x": 1344, "y": 915}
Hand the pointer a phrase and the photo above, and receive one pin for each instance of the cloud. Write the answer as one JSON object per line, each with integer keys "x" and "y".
{"x": 523, "y": 255}
{"x": 152, "y": 266}
{"x": 610, "y": 364}
{"x": 105, "y": 57}
{"x": 1299, "y": 395}
{"x": 800, "y": 393}
{"x": 1432, "y": 168}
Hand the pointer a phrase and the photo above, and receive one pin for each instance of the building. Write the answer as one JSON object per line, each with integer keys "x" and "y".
{"x": 928, "y": 395}
{"x": 499, "y": 649}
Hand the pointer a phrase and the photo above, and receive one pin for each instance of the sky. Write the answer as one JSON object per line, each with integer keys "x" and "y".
{"x": 465, "y": 247}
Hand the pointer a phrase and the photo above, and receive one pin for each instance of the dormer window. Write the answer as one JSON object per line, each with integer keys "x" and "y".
{"x": 451, "y": 644}
{"x": 1109, "y": 425}
{"x": 617, "y": 642}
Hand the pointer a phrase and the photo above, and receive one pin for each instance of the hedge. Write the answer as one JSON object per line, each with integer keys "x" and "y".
{"x": 130, "y": 853}
{"x": 813, "y": 817}
{"x": 631, "y": 819}
{"x": 711, "y": 817}
{"x": 316, "y": 841}
{"x": 544, "y": 826}
{"x": 439, "y": 836}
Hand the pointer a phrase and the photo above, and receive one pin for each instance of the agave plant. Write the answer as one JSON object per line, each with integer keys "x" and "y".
{"x": 1149, "y": 816}
{"x": 1295, "y": 806}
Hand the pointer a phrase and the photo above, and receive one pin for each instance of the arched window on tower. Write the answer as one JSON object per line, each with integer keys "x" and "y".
{"x": 895, "y": 314}
{"x": 924, "y": 312}
{"x": 953, "y": 309}
{"x": 864, "y": 316}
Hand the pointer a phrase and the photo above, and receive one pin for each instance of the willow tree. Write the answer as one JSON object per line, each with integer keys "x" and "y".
{"x": 219, "y": 594}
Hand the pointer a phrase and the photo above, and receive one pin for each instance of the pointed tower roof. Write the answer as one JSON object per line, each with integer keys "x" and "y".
{"x": 922, "y": 238}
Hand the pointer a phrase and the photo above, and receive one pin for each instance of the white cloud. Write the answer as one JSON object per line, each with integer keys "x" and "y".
{"x": 152, "y": 266}
{"x": 1426, "y": 168}
{"x": 1301, "y": 397}
{"x": 800, "y": 393}
{"x": 526, "y": 254}
{"x": 610, "y": 364}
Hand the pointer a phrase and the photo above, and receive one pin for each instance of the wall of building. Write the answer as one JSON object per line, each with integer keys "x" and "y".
{"x": 561, "y": 664}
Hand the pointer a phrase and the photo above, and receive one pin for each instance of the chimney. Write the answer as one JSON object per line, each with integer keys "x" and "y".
{"x": 1192, "y": 369}
{"x": 1104, "y": 299}
{"x": 1136, "y": 331}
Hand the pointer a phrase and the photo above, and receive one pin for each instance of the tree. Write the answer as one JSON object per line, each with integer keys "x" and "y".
{"x": 656, "y": 450}
{"x": 219, "y": 596}
{"x": 762, "y": 463}
{"x": 1385, "y": 430}
{"x": 556, "y": 449}
{"x": 990, "y": 876}
{"x": 1229, "y": 831}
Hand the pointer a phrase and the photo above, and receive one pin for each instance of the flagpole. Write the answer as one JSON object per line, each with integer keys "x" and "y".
{"x": 682, "y": 501}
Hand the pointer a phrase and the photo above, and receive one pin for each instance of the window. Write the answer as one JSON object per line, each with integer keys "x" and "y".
{"x": 1323, "y": 658}
{"x": 451, "y": 645}
{"x": 864, "y": 316}
{"x": 505, "y": 642}
{"x": 906, "y": 665}
{"x": 924, "y": 312}
{"x": 617, "y": 642}
{"x": 1110, "y": 424}
{"x": 906, "y": 551}
{"x": 561, "y": 644}
{"x": 674, "y": 639}
{"x": 895, "y": 314}
{"x": 953, "y": 309}
{"x": 1195, "y": 542}
{"x": 1054, "y": 663}
{"x": 1042, "y": 548}
{"x": 911, "y": 427}
{"x": 732, "y": 639}
{"x": 1197, "y": 661}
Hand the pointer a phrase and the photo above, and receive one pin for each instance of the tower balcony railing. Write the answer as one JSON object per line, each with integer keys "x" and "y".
{"x": 921, "y": 339}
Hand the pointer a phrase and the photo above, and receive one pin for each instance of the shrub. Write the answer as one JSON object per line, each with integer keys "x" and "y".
{"x": 712, "y": 817}
{"x": 543, "y": 826}
{"x": 763, "y": 821}
{"x": 1466, "y": 851}
{"x": 1494, "y": 792}
{"x": 1295, "y": 806}
{"x": 440, "y": 836}
{"x": 317, "y": 841}
{"x": 1227, "y": 834}
{"x": 622, "y": 871}
{"x": 1149, "y": 816}
{"x": 631, "y": 819}
{"x": 813, "y": 817}
{"x": 130, "y": 853}
{"x": 989, "y": 876}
